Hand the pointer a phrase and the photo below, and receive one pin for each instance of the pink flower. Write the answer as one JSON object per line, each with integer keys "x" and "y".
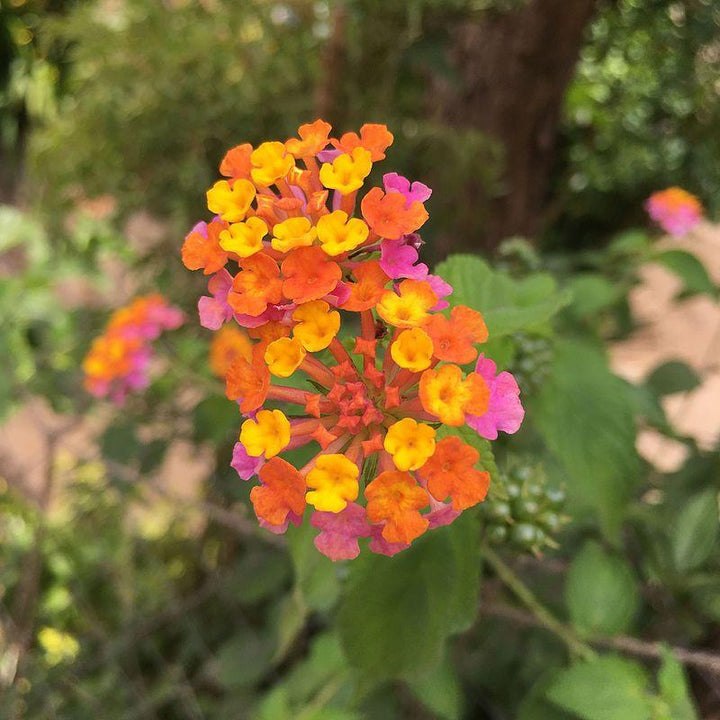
{"x": 282, "y": 528}
{"x": 417, "y": 192}
{"x": 441, "y": 289}
{"x": 214, "y": 310}
{"x": 399, "y": 259}
{"x": 379, "y": 545}
{"x": 505, "y": 411}
{"x": 441, "y": 514}
{"x": 340, "y": 531}
{"x": 675, "y": 210}
{"x": 245, "y": 465}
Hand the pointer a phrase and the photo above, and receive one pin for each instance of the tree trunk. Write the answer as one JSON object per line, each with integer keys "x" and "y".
{"x": 514, "y": 67}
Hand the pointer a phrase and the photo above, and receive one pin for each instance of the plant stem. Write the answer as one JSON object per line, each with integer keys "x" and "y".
{"x": 574, "y": 644}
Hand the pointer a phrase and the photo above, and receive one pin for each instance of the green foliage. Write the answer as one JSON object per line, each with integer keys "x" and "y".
{"x": 601, "y": 591}
{"x": 689, "y": 269}
{"x": 398, "y": 612}
{"x": 674, "y": 690}
{"x": 695, "y": 532}
{"x": 609, "y": 688}
{"x": 585, "y": 415}
{"x": 672, "y": 377}
{"x": 508, "y": 305}
{"x": 641, "y": 112}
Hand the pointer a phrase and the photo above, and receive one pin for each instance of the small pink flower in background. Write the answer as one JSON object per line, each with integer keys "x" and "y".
{"x": 505, "y": 411}
{"x": 675, "y": 210}
{"x": 118, "y": 360}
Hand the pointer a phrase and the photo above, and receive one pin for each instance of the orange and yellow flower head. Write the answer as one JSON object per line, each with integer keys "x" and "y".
{"x": 332, "y": 336}
{"x": 119, "y": 359}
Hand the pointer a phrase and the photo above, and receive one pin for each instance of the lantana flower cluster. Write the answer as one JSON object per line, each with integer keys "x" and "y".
{"x": 676, "y": 210}
{"x": 302, "y": 255}
{"x": 118, "y": 360}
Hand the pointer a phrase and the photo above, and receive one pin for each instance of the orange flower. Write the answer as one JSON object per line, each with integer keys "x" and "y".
{"x": 388, "y": 216}
{"x": 314, "y": 138}
{"x": 445, "y": 394}
{"x": 453, "y": 339}
{"x": 282, "y": 492}
{"x": 248, "y": 382}
{"x": 450, "y": 472}
{"x": 409, "y": 306}
{"x": 256, "y": 285}
{"x": 228, "y": 344}
{"x": 309, "y": 274}
{"x": 395, "y": 497}
{"x": 201, "y": 248}
{"x": 369, "y": 288}
{"x": 270, "y": 331}
{"x": 375, "y": 138}
{"x": 236, "y": 163}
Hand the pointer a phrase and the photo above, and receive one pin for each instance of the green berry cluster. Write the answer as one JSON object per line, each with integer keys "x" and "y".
{"x": 532, "y": 362}
{"x": 530, "y": 514}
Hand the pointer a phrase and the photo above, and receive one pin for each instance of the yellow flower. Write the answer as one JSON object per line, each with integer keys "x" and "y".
{"x": 410, "y": 443}
{"x": 244, "y": 238}
{"x": 284, "y": 355}
{"x": 317, "y": 325}
{"x": 347, "y": 172}
{"x": 445, "y": 394}
{"x": 271, "y": 162}
{"x": 410, "y": 307}
{"x": 335, "y": 482}
{"x": 58, "y": 646}
{"x": 339, "y": 235}
{"x": 412, "y": 350}
{"x": 231, "y": 203}
{"x": 269, "y": 433}
{"x": 293, "y": 233}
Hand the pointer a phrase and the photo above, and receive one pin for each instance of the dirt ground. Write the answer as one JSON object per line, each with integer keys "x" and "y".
{"x": 688, "y": 330}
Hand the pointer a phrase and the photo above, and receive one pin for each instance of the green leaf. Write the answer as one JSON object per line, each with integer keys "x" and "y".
{"x": 440, "y": 691}
{"x": 289, "y": 622}
{"x": 536, "y": 706}
{"x": 508, "y": 305}
{"x": 120, "y": 444}
{"x": 592, "y": 293}
{"x": 316, "y": 576}
{"x": 609, "y": 688}
{"x": 601, "y": 592}
{"x": 673, "y": 687}
{"x": 585, "y": 415}
{"x": 242, "y": 660}
{"x": 695, "y": 532}
{"x": 216, "y": 419}
{"x": 324, "y": 662}
{"x": 629, "y": 242}
{"x": 689, "y": 269}
{"x": 672, "y": 377}
{"x": 397, "y": 612}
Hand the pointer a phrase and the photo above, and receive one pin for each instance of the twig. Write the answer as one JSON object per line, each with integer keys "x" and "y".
{"x": 543, "y": 616}
{"x": 698, "y": 659}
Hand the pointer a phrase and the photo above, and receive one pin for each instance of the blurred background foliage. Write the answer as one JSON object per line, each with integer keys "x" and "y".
{"x": 122, "y": 596}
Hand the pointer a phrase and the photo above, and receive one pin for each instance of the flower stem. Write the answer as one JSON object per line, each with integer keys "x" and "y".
{"x": 574, "y": 644}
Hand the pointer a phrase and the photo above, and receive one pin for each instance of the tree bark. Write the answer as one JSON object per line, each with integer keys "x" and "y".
{"x": 514, "y": 67}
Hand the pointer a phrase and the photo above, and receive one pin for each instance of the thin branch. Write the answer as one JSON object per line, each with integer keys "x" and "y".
{"x": 543, "y": 616}
{"x": 698, "y": 659}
